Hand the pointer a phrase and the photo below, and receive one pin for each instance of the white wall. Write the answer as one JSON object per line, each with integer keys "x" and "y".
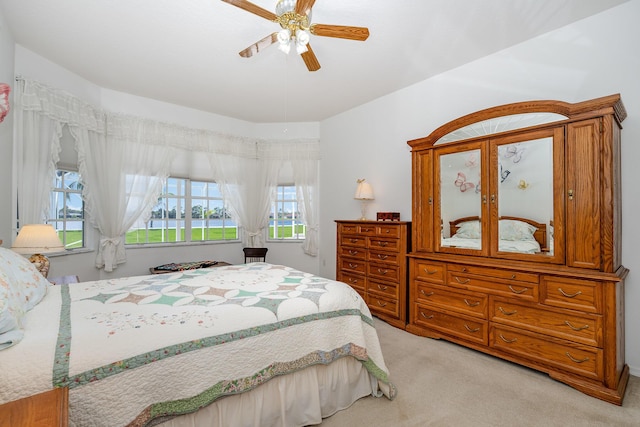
{"x": 34, "y": 66}
{"x": 6, "y": 131}
{"x": 591, "y": 58}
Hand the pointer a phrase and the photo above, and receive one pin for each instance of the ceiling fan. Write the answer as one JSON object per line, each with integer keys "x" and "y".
{"x": 294, "y": 16}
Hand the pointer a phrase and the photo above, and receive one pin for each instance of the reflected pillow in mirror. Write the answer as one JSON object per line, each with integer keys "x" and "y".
{"x": 511, "y": 229}
{"x": 469, "y": 230}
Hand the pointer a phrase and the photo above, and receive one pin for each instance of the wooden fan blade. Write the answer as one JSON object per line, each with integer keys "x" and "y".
{"x": 259, "y": 45}
{"x": 310, "y": 59}
{"x": 304, "y": 6}
{"x": 255, "y": 9}
{"x": 340, "y": 31}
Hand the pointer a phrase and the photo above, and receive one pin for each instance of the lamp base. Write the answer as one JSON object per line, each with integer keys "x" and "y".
{"x": 363, "y": 210}
{"x": 41, "y": 263}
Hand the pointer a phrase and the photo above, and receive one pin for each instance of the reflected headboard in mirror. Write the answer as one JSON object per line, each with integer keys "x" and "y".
{"x": 540, "y": 234}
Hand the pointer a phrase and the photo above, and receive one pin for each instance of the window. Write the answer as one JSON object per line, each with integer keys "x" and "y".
{"x": 66, "y": 210}
{"x": 285, "y": 222}
{"x": 187, "y": 211}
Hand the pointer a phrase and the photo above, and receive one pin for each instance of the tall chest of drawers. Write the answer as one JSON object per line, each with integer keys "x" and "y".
{"x": 372, "y": 258}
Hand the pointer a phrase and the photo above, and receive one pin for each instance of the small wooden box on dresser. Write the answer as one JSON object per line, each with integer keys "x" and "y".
{"x": 372, "y": 258}
{"x": 557, "y": 308}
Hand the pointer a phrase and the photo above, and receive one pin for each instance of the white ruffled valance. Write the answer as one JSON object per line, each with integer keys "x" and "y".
{"x": 119, "y": 152}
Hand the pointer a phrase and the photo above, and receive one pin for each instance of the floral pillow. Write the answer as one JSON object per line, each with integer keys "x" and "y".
{"x": 469, "y": 230}
{"x": 11, "y": 312}
{"x": 28, "y": 284}
{"x": 511, "y": 229}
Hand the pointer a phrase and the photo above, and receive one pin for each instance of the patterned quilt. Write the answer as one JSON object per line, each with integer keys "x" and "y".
{"x": 133, "y": 350}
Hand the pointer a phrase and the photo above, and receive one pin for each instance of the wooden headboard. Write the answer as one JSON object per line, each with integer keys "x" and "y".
{"x": 540, "y": 234}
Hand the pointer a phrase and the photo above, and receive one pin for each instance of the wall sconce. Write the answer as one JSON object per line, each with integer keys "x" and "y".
{"x": 36, "y": 240}
{"x": 364, "y": 193}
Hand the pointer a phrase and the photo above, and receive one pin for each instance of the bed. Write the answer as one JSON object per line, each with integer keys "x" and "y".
{"x": 516, "y": 234}
{"x": 252, "y": 344}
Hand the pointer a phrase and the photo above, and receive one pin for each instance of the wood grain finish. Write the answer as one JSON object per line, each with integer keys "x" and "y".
{"x": 560, "y": 313}
{"x": 372, "y": 258}
{"x": 48, "y": 409}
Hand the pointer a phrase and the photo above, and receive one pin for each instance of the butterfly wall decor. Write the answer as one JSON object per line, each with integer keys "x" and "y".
{"x": 514, "y": 152}
{"x": 462, "y": 184}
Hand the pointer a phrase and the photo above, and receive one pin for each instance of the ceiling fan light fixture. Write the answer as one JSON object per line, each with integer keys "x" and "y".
{"x": 303, "y": 37}
{"x": 284, "y": 6}
{"x": 284, "y": 36}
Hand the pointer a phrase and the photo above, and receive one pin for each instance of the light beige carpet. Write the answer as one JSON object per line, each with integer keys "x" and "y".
{"x": 443, "y": 384}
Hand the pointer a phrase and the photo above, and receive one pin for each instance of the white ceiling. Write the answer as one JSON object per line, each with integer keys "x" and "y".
{"x": 185, "y": 52}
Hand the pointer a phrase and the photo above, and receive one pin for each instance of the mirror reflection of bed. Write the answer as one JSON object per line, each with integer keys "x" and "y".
{"x": 517, "y": 234}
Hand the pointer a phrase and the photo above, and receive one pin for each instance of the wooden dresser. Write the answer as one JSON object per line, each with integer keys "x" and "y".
{"x": 557, "y": 307}
{"x": 371, "y": 257}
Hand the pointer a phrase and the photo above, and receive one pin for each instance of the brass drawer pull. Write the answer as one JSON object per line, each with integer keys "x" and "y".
{"x": 381, "y": 304}
{"x": 471, "y": 304}
{"x": 381, "y": 271}
{"x": 566, "y": 322}
{"x": 469, "y": 329}
{"x": 383, "y": 244}
{"x": 462, "y": 282}
{"x": 382, "y": 288}
{"x": 382, "y": 257}
{"x": 573, "y": 359}
{"x": 353, "y": 265}
{"x": 426, "y": 294}
{"x": 517, "y": 292}
{"x": 507, "y": 340}
{"x": 507, "y": 313}
{"x": 352, "y": 252}
{"x": 426, "y": 270}
{"x": 569, "y": 295}
{"x": 351, "y": 280}
{"x": 353, "y": 240}
{"x": 365, "y": 230}
{"x": 425, "y": 316}
{"x": 387, "y": 231}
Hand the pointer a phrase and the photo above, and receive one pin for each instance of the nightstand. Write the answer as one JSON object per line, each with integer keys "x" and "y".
{"x": 48, "y": 409}
{"x": 64, "y": 280}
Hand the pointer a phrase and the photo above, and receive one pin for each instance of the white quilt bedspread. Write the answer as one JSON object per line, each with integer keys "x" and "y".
{"x": 133, "y": 350}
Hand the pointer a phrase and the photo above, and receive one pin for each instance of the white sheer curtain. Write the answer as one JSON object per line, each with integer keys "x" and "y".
{"x": 305, "y": 176}
{"x": 35, "y": 154}
{"x": 122, "y": 179}
{"x": 247, "y": 184}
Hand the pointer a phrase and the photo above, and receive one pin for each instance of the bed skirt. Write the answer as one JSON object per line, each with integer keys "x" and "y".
{"x": 297, "y": 399}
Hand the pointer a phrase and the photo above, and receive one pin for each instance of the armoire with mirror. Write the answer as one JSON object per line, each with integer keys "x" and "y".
{"x": 516, "y": 247}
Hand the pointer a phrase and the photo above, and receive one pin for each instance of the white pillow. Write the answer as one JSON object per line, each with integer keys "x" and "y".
{"x": 511, "y": 229}
{"x": 469, "y": 230}
{"x": 11, "y": 311}
{"x": 28, "y": 284}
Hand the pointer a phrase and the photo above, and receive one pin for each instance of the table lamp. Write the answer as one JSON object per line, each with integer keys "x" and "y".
{"x": 37, "y": 240}
{"x": 364, "y": 193}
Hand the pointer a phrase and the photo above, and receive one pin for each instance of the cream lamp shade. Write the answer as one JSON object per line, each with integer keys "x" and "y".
{"x": 37, "y": 240}
{"x": 364, "y": 193}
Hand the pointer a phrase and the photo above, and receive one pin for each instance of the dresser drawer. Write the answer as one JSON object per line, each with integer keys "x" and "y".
{"x": 384, "y": 305}
{"x": 388, "y": 230}
{"x": 462, "y": 327}
{"x": 353, "y": 265}
{"x": 578, "y": 359}
{"x": 367, "y": 229}
{"x": 465, "y": 303}
{"x": 496, "y": 286}
{"x": 585, "y": 329}
{"x": 384, "y": 272}
{"x": 576, "y": 294}
{"x": 385, "y": 289}
{"x": 428, "y": 270}
{"x": 385, "y": 257}
{"x": 355, "y": 241}
{"x": 356, "y": 281}
{"x": 392, "y": 245}
{"x": 517, "y": 276}
{"x": 353, "y": 252}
